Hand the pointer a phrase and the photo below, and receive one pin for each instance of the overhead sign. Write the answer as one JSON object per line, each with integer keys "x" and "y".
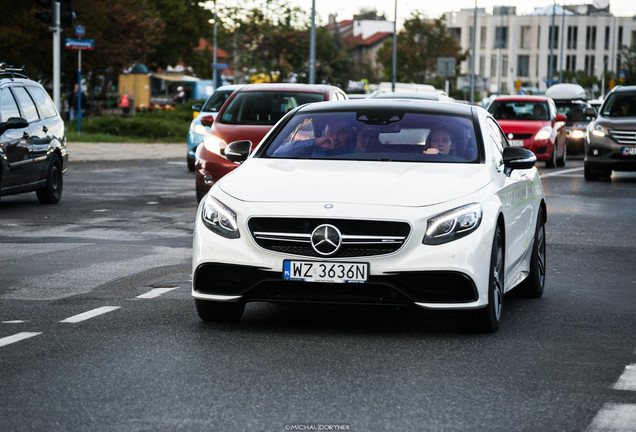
{"x": 79, "y": 44}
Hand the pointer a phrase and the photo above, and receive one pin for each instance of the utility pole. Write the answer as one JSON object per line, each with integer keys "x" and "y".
{"x": 472, "y": 59}
{"x": 56, "y": 54}
{"x": 551, "y": 62}
{"x": 394, "y": 63}
{"x": 312, "y": 45}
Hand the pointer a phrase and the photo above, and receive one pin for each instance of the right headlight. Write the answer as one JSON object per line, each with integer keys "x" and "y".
{"x": 453, "y": 224}
{"x": 219, "y": 218}
{"x": 199, "y": 129}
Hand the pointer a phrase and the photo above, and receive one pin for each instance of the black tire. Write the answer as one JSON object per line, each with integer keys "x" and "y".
{"x": 534, "y": 284}
{"x": 487, "y": 319}
{"x": 200, "y": 193}
{"x": 551, "y": 163}
{"x": 213, "y": 311}
{"x": 52, "y": 191}
{"x": 562, "y": 160}
{"x": 190, "y": 163}
{"x": 589, "y": 174}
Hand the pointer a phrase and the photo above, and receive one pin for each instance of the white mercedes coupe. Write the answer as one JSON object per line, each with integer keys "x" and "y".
{"x": 379, "y": 202}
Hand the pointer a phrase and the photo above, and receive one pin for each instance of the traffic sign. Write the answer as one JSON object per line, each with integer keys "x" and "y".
{"x": 79, "y": 44}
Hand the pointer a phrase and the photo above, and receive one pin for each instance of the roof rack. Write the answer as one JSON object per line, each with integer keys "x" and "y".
{"x": 10, "y": 71}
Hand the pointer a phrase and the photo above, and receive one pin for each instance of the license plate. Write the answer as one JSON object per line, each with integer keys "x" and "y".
{"x": 628, "y": 151}
{"x": 332, "y": 272}
{"x": 516, "y": 143}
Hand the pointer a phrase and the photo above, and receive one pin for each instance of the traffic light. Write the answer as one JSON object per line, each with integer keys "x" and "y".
{"x": 66, "y": 13}
{"x": 46, "y": 14}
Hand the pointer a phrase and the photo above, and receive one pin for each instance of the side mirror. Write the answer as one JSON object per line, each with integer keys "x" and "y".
{"x": 14, "y": 123}
{"x": 590, "y": 112}
{"x": 197, "y": 107}
{"x": 207, "y": 120}
{"x": 561, "y": 118}
{"x": 518, "y": 158}
{"x": 238, "y": 151}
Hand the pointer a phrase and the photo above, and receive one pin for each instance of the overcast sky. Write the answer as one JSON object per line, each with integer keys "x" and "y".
{"x": 347, "y": 8}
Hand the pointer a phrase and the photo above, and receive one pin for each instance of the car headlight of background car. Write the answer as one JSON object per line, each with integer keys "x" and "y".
{"x": 597, "y": 130}
{"x": 219, "y": 218}
{"x": 198, "y": 129}
{"x": 577, "y": 134}
{"x": 214, "y": 144}
{"x": 544, "y": 133}
{"x": 453, "y": 224}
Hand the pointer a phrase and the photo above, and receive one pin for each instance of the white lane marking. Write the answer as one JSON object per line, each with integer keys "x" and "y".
{"x": 17, "y": 337}
{"x": 14, "y": 322}
{"x": 155, "y": 293}
{"x": 557, "y": 173}
{"x": 90, "y": 314}
{"x": 627, "y": 380}
{"x": 614, "y": 418}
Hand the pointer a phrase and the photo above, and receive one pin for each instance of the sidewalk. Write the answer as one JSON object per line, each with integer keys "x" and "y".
{"x": 79, "y": 151}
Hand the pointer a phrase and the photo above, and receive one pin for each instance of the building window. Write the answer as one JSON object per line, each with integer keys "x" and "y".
{"x": 554, "y": 65}
{"x": 572, "y": 36}
{"x": 553, "y": 37}
{"x": 482, "y": 40}
{"x": 523, "y": 65}
{"x": 493, "y": 65}
{"x": 482, "y": 65}
{"x": 589, "y": 65}
{"x": 570, "y": 63}
{"x": 524, "y": 43}
{"x": 504, "y": 66}
{"x": 536, "y": 66}
{"x": 470, "y": 37}
{"x": 620, "y": 37}
{"x": 501, "y": 37}
{"x": 590, "y": 37}
{"x": 607, "y": 37}
{"x": 538, "y": 36}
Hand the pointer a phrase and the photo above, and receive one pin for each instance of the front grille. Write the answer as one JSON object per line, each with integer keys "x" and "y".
{"x": 624, "y": 137}
{"x": 359, "y": 237}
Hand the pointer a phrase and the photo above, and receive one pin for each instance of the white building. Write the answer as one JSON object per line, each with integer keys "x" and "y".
{"x": 514, "y": 47}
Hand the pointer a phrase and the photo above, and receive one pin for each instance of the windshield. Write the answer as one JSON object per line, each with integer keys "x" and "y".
{"x": 216, "y": 101}
{"x": 519, "y": 110}
{"x": 574, "y": 111}
{"x": 265, "y": 107}
{"x": 620, "y": 104}
{"x": 376, "y": 135}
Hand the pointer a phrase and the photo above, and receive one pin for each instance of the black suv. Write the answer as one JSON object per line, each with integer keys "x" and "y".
{"x": 33, "y": 153}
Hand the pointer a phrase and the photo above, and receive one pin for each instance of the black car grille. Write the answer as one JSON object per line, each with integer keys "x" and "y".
{"x": 359, "y": 237}
{"x": 624, "y": 137}
{"x": 519, "y": 136}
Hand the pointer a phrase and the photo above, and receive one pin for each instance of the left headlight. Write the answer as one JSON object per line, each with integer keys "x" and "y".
{"x": 543, "y": 134}
{"x": 453, "y": 224}
{"x": 214, "y": 144}
{"x": 219, "y": 218}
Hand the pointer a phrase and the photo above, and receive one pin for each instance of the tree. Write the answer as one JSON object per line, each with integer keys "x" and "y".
{"x": 419, "y": 44}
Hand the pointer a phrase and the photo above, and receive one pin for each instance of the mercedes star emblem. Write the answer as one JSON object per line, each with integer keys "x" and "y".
{"x": 326, "y": 239}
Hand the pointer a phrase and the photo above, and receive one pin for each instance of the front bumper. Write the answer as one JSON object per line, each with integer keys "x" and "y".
{"x": 604, "y": 154}
{"x": 454, "y": 275}
{"x": 542, "y": 149}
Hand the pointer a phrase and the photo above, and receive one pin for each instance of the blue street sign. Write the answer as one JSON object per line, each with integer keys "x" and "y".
{"x": 220, "y": 66}
{"x": 79, "y": 44}
{"x": 79, "y": 31}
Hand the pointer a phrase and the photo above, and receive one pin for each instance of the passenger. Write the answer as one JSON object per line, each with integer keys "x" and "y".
{"x": 338, "y": 138}
{"x": 439, "y": 141}
{"x": 539, "y": 112}
{"x": 621, "y": 109}
{"x": 367, "y": 140}
{"x": 508, "y": 113}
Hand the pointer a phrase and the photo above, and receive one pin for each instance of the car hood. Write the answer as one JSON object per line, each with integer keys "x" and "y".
{"x": 522, "y": 126}
{"x": 230, "y": 132}
{"x": 356, "y": 182}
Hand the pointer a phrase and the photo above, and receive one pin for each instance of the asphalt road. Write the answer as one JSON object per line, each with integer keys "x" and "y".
{"x": 98, "y": 331}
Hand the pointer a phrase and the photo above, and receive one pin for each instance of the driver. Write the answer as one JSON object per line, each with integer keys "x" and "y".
{"x": 439, "y": 141}
{"x": 338, "y": 138}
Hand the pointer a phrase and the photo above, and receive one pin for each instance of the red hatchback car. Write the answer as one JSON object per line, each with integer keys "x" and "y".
{"x": 533, "y": 122}
{"x": 248, "y": 114}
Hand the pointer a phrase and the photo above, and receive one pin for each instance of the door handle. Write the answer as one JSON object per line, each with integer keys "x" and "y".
{"x": 45, "y": 129}
{"x": 25, "y": 135}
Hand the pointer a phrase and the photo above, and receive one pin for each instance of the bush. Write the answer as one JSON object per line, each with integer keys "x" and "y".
{"x": 148, "y": 126}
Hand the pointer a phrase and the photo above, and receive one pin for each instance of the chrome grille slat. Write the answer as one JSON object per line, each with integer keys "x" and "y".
{"x": 624, "y": 137}
{"x": 359, "y": 237}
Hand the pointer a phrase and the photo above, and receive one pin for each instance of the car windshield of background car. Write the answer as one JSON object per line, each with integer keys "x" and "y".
{"x": 621, "y": 104}
{"x": 403, "y": 137}
{"x": 265, "y": 107}
{"x": 574, "y": 111}
{"x": 216, "y": 101}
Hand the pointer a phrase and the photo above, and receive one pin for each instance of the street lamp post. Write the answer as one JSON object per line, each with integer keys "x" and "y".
{"x": 394, "y": 63}
{"x": 312, "y": 45}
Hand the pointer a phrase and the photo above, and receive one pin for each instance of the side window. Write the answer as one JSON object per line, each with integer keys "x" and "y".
{"x": 29, "y": 112}
{"x": 497, "y": 138}
{"x": 43, "y": 102}
{"x": 8, "y": 106}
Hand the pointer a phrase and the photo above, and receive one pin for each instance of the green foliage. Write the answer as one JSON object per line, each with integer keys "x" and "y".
{"x": 151, "y": 126}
